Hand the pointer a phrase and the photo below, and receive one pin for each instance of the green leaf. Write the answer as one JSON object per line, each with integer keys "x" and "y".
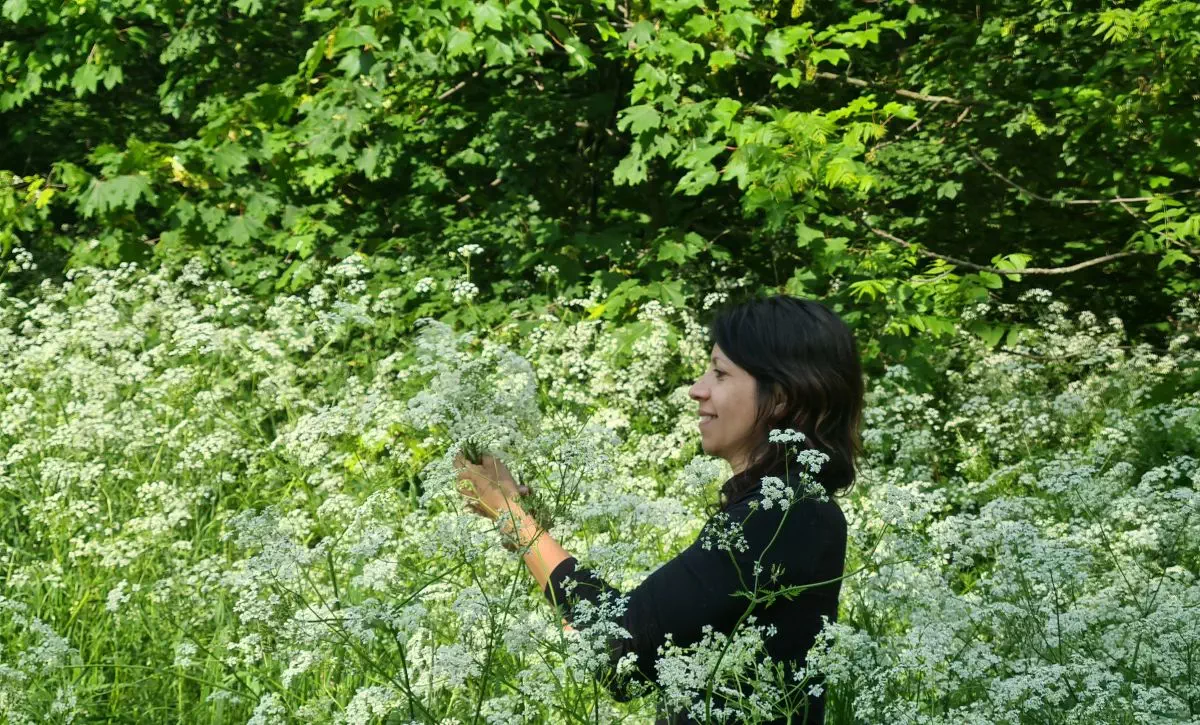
{"x": 948, "y": 189}
{"x": 697, "y": 180}
{"x": 606, "y": 31}
{"x": 835, "y": 246}
{"x": 112, "y": 76}
{"x": 120, "y": 192}
{"x": 737, "y": 168}
{"x": 229, "y": 158}
{"x": 700, "y": 155}
{"x": 496, "y": 52}
{"x": 1172, "y": 256}
{"x": 990, "y": 280}
{"x": 459, "y": 42}
{"x": 639, "y": 34}
{"x": 779, "y": 45}
{"x": 368, "y": 161}
{"x": 990, "y": 334}
{"x": 681, "y": 51}
{"x": 1014, "y": 262}
{"x": 630, "y": 170}
{"x": 296, "y": 276}
{"x": 740, "y": 22}
{"x": 677, "y": 252}
{"x": 699, "y": 25}
{"x": 639, "y": 118}
{"x": 723, "y": 112}
{"x": 240, "y": 229}
{"x": 211, "y": 217}
{"x": 260, "y": 205}
{"x": 862, "y": 17}
{"x": 937, "y": 326}
{"x": 488, "y": 15}
{"x": 832, "y": 56}
{"x": 672, "y": 292}
{"x": 869, "y": 288}
{"x": 85, "y": 79}
{"x": 360, "y": 36}
{"x": 302, "y": 244}
{"x": 791, "y": 77}
{"x": 14, "y": 10}
{"x": 719, "y": 59}
{"x": 805, "y": 235}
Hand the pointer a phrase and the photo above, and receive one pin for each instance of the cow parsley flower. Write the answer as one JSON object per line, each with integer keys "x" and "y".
{"x": 370, "y": 705}
{"x": 775, "y": 435}
{"x": 117, "y": 596}
{"x": 775, "y": 491}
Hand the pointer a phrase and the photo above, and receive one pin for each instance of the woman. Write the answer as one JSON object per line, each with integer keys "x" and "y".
{"x": 777, "y": 363}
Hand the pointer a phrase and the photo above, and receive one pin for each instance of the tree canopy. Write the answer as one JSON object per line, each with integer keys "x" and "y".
{"x": 902, "y": 160}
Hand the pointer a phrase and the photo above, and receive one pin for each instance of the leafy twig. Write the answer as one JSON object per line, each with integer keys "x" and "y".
{"x": 994, "y": 270}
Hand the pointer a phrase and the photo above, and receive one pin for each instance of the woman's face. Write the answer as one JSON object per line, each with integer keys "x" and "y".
{"x": 726, "y": 394}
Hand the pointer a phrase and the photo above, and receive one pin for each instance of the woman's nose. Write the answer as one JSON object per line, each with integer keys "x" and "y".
{"x": 695, "y": 392}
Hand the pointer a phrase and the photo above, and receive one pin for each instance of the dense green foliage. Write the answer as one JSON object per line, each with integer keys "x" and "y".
{"x": 662, "y": 149}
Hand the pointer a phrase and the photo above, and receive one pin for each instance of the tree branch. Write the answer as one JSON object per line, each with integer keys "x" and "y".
{"x": 826, "y": 75}
{"x": 1049, "y": 200}
{"x": 994, "y": 270}
{"x": 898, "y": 91}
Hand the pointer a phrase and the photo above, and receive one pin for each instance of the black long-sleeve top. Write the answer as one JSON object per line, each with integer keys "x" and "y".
{"x": 697, "y": 586}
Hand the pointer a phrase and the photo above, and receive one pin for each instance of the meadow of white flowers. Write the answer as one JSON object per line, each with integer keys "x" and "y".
{"x": 215, "y": 510}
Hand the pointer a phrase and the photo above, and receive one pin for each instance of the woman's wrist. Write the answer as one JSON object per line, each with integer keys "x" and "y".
{"x": 520, "y": 531}
{"x": 516, "y": 525}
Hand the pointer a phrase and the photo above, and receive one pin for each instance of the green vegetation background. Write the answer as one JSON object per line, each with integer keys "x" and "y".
{"x": 899, "y": 159}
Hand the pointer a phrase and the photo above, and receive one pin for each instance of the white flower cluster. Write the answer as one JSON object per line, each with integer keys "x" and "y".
{"x": 22, "y": 260}
{"x": 425, "y": 285}
{"x": 352, "y": 267}
{"x": 245, "y": 499}
{"x": 776, "y": 492}
{"x": 463, "y": 290}
{"x": 35, "y": 669}
{"x": 724, "y": 533}
{"x": 690, "y": 676}
{"x": 714, "y": 298}
{"x": 469, "y": 250}
{"x": 700, "y": 472}
{"x": 775, "y": 435}
{"x": 1043, "y": 569}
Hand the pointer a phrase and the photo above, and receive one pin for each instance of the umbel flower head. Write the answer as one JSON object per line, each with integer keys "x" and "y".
{"x": 479, "y": 395}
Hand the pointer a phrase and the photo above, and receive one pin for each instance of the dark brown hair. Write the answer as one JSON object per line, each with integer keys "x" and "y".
{"x": 803, "y": 355}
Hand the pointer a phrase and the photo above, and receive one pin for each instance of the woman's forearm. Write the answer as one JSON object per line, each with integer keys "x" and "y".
{"x": 544, "y": 553}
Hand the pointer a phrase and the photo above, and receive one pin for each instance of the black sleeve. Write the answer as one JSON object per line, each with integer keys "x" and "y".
{"x": 695, "y": 588}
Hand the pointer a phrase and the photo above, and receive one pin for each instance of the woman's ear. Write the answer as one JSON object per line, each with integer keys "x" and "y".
{"x": 780, "y": 402}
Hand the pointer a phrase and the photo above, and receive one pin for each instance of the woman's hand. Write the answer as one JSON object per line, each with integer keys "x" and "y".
{"x": 487, "y": 487}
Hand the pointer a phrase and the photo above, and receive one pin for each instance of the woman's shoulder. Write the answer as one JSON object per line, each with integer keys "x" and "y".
{"x": 783, "y": 491}
{"x": 769, "y": 507}
{"x": 807, "y": 537}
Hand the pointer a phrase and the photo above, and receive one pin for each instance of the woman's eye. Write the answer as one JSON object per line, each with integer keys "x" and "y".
{"x": 719, "y": 374}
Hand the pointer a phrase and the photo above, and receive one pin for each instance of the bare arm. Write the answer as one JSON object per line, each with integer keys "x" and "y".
{"x": 544, "y": 553}
{"x": 491, "y": 490}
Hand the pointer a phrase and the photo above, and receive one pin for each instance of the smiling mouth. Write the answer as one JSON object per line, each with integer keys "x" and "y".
{"x": 706, "y": 418}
